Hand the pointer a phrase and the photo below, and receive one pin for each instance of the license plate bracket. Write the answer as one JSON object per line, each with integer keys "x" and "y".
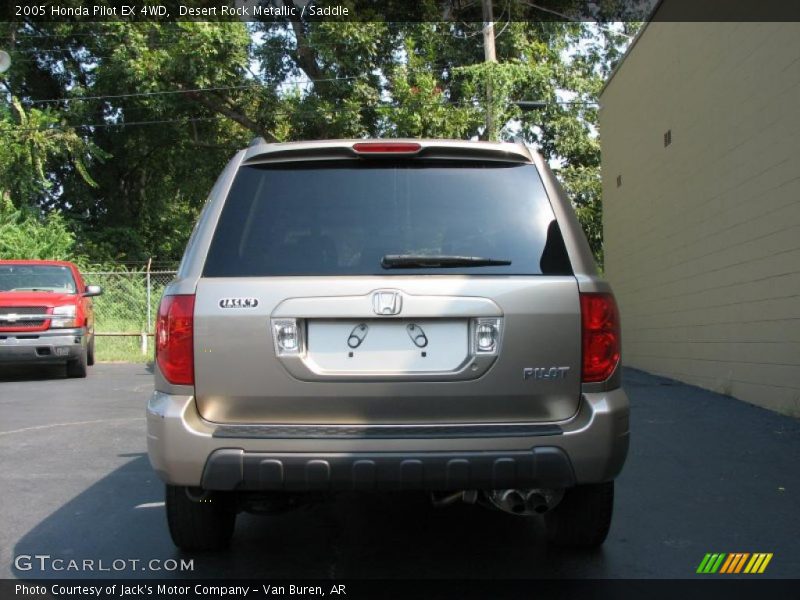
{"x": 388, "y": 345}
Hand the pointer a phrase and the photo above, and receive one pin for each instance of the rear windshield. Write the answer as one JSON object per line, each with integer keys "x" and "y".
{"x": 36, "y": 278}
{"x": 343, "y": 217}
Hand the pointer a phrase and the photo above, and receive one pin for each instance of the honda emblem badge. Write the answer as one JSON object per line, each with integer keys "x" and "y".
{"x": 387, "y": 303}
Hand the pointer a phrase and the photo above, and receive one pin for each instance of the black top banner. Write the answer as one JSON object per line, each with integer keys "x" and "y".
{"x": 397, "y": 10}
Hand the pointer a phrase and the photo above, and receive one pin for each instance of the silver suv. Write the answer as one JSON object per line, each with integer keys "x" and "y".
{"x": 388, "y": 315}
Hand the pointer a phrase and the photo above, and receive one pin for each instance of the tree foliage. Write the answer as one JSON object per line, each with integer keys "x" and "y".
{"x": 146, "y": 114}
{"x": 33, "y": 140}
{"x": 24, "y": 234}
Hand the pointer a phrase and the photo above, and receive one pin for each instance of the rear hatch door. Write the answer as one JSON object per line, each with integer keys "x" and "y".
{"x": 299, "y": 258}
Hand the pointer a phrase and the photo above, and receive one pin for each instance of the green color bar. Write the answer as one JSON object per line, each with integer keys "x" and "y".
{"x": 701, "y": 568}
{"x": 718, "y": 563}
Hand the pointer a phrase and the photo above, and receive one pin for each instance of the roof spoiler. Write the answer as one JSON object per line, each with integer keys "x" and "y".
{"x": 261, "y": 152}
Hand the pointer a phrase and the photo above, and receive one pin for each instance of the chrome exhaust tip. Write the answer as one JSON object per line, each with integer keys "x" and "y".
{"x": 525, "y": 502}
{"x": 513, "y": 501}
{"x": 536, "y": 503}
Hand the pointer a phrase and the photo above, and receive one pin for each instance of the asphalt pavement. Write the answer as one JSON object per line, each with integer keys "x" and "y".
{"x": 706, "y": 473}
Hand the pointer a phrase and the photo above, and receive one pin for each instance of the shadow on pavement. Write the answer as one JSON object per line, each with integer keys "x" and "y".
{"x": 705, "y": 473}
{"x": 349, "y": 536}
{"x": 32, "y": 372}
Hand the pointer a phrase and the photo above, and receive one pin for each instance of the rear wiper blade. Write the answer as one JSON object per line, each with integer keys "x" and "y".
{"x": 414, "y": 261}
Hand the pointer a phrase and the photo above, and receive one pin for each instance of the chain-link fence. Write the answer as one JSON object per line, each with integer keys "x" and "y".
{"x": 126, "y": 312}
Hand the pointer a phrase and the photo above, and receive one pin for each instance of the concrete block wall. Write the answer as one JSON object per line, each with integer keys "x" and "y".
{"x": 702, "y": 236}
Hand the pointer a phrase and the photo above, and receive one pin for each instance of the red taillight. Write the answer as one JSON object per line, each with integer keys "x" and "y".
{"x": 175, "y": 339}
{"x": 601, "y": 336}
{"x": 387, "y": 147}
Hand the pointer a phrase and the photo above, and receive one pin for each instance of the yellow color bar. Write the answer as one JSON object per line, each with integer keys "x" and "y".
{"x": 754, "y": 562}
{"x": 765, "y": 563}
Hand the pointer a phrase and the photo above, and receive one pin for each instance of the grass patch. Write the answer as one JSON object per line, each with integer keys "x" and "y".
{"x": 123, "y": 309}
{"x": 122, "y": 349}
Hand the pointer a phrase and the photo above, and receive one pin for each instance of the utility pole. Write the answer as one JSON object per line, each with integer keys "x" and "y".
{"x": 489, "y": 57}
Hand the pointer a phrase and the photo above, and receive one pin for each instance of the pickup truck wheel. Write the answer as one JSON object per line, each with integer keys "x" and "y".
{"x": 90, "y": 352}
{"x": 200, "y": 525}
{"x": 77, "y": 366}
{"x": 583, "y": 516}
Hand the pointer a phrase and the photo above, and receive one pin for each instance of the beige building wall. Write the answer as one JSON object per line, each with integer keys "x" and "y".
{"x": 702, "y": 237}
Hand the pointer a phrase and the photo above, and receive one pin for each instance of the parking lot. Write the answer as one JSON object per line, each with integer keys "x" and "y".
{"x": 706, "y": 473}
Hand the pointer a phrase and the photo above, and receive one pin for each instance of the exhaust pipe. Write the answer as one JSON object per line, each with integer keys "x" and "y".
{"x": 514, "y": 501}
{"x": 510, "y": 501}
{"x": 440, "y": 501}
{"x": 466, "y": 496}
{"x": 536, "y": 502}
{"x": 525, "y": 502}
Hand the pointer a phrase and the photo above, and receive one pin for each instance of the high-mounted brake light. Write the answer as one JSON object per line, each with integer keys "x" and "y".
{"x": 386, "y": 147}
{"x": 600, "y": 335}
{"x": 175, "y": 339}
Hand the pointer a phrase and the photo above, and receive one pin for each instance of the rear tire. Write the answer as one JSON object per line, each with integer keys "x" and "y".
{"x": 77, "y": 366}
{"x": 200, "y": 525}
{"x": 90, "y": 352}
{"x": 583, "y": 517}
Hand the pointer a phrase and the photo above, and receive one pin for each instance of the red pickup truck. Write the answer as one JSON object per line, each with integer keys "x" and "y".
{"x": 46, "y": 314}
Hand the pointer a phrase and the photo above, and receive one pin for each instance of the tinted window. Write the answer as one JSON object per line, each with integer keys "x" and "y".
{"x": 343, "y": 217}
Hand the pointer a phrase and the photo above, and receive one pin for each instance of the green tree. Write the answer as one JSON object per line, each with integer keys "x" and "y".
{"x": 24, "y": 234}
{"x": 32, "y": 144}
{"x": 169, "y": 103}
{"x": 155, "y": 174}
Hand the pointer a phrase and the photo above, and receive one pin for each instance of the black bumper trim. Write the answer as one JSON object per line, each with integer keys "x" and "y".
{"x": 383, "y": 431}
{"x": 234, "y": 469}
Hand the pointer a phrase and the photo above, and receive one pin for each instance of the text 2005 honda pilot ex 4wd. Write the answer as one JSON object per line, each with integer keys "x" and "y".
{"x": 388, "y": 315}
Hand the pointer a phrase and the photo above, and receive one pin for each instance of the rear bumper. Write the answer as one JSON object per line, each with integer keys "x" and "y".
{"x": 52, "y": 346}
{"x": 590, "y": 447}
{"x": 231, "y": 469}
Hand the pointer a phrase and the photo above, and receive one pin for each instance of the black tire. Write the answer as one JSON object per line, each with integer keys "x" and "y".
{"x": 200, "y": 525}
{"x": 90, "y": 352}
{"x": 77, "y": 366}
{"x": 583, "y": 517}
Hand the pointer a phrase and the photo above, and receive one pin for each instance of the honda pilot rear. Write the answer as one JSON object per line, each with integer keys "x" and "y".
{"x": 388, "y": 315}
